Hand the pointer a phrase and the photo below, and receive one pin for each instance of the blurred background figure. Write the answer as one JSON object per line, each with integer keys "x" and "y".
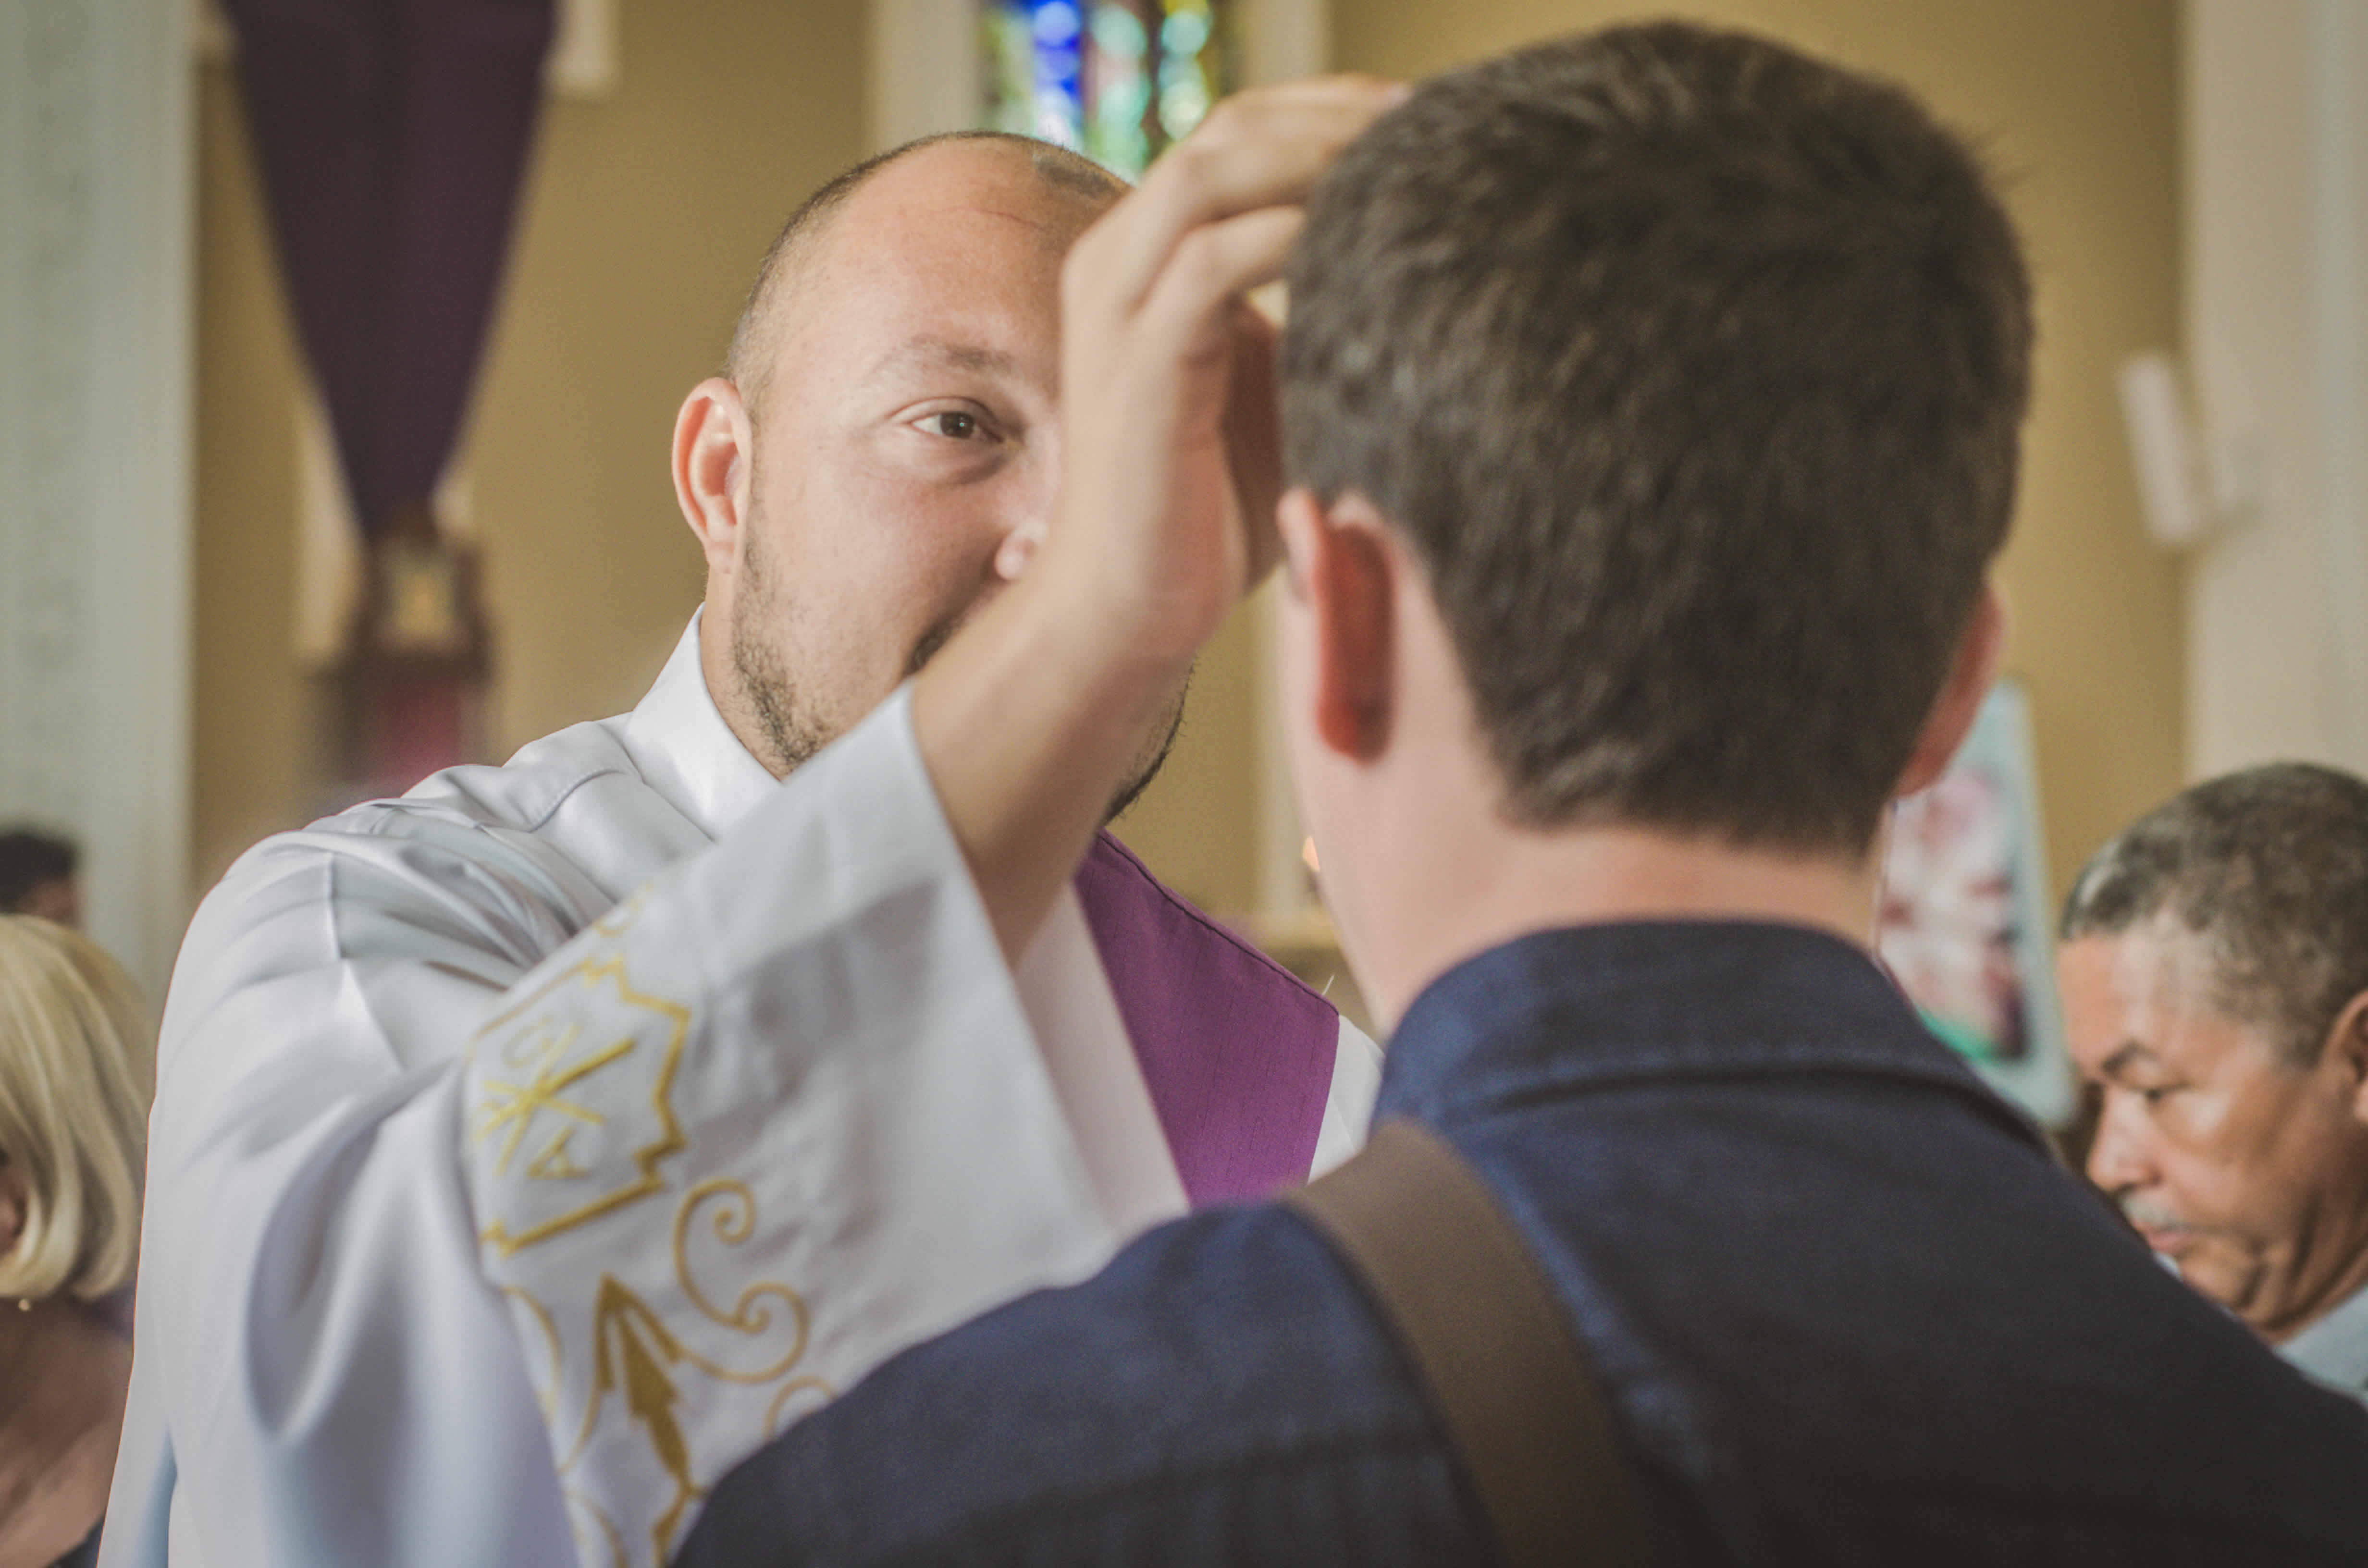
{"x": 36, "y": 876}
{"x": 2214, "y": 975}
{"x": 78, "y": 1069}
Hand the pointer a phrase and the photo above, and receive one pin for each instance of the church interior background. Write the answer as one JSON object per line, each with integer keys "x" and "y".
{"x": 2189, "y": 176}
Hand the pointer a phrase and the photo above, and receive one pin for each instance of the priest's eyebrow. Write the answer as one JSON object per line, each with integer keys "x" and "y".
{"x": 945, "y": 353}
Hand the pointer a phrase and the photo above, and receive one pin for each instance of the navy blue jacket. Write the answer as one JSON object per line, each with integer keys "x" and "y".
{"x": 1849, "y": 1310}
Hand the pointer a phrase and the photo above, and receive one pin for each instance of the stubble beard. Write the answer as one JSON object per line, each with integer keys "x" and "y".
{"x": 791, "y": 736}
{"x": 1153, "y": 757}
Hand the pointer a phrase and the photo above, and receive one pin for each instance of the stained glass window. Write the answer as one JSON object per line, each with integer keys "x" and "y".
{"x": 1117, "y": 79}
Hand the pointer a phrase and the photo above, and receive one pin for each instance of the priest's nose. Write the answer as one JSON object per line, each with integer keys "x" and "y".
{"x": 1026, "y": 504}
{"x": 1019, "y": 548}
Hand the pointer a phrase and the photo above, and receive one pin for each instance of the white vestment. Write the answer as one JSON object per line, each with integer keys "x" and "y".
{"x": 756, "y": 1103}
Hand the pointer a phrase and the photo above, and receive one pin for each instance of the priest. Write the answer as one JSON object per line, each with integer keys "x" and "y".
{"x": 530, "y": 1148}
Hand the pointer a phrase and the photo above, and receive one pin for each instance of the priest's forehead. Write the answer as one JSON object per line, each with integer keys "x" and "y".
{"x": 1066, "y": 177}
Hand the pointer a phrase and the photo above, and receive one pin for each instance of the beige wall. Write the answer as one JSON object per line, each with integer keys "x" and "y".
{"x": 2075, "y": 102}
{"x": 644, "y": 215}
{"x": 2276, "y": 106}
{"x": 254, "y": 756}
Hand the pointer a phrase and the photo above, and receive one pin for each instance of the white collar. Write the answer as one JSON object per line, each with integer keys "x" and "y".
{"x": 2334, "y": 1349}
{"x": 687, "y": 752}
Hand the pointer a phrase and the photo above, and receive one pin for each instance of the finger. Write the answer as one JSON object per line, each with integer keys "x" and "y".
{"x": 1267, "y": 110}
{"x": 1190, "y": 307}
{"x": 1257, "y": 150}
{"x": 1338, "y": 86}
{"x": 1254, "y": 438}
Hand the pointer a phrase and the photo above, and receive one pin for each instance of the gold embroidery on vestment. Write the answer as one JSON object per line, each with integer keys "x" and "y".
{"x": 516, "y": 1106}
{"x": 541, "y": 1049}
{"x": 816, "y": 1386}
{"x": 735, "y": 1222}
{"x": 633, "y": 1348}
{"x": 530, "y": 1069}
{"x": 635, "y": 1352}
{"x": 611, "y": 1537}
{"x": 555, "y": 1163}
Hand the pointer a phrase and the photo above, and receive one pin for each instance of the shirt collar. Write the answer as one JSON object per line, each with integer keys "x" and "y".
{"x": 685, "y": 750}
{"x": 1634, "y": 1001}
{"x": 2335, "y": 1348}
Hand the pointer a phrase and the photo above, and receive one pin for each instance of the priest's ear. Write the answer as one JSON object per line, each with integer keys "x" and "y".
{"x": 1338, "y": 570}
{"x": 714, "y": 439}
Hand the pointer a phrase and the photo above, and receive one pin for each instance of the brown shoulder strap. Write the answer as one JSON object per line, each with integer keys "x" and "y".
{"x": 1506, "y": 1374}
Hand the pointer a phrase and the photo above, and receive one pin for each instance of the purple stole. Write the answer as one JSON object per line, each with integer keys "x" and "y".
{"x": 1236, "y": 1052}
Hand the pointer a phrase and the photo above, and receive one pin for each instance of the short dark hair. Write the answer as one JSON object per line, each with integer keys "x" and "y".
{"x": 1692, "y": 369}
{"x": 29, "y": 859}
{"x": 2269, "y": 867}
{"x": 1056, "y": 166}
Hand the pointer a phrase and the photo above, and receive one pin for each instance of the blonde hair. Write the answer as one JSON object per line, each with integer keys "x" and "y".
{"x": 78, "y": 1071}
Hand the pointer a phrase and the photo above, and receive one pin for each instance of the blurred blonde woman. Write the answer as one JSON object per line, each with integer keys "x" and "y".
{"x": 77, "y": 1068}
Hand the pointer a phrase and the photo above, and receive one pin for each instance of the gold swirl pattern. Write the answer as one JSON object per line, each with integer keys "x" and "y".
{"x": 734, "y": 1223}
{"x": 636, "y": 1353}
{"x": 823, "y": 1393}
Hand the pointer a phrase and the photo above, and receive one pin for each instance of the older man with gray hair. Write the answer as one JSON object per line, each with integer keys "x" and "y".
{"x": 2214, "y": 973}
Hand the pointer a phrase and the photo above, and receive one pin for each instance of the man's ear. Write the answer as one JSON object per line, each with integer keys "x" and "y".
{"x": 714, "y": 441}
{"x": 1337, "y": 563}
{"x": 2345, "y": 1053}
{"x": 1971, "y": 671}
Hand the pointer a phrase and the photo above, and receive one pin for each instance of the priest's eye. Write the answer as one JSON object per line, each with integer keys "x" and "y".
{"x": 954, "y": 426}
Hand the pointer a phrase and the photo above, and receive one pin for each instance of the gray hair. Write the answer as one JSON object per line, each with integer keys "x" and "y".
{"x": 2269, "y": 868}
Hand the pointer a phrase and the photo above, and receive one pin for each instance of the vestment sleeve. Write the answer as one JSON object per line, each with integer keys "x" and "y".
{"x": 453, "y": 1249}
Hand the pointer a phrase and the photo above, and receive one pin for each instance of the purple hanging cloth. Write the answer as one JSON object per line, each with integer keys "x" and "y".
{"x": 1236, "y": 1052}
{"x": 392, "y": 139}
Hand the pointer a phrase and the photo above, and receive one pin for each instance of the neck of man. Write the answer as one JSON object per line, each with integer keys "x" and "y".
{"x": 1478, "y": 882}
{"x": 2346, "y": 1238}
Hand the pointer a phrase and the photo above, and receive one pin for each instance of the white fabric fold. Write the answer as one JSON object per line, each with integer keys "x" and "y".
{"x": 408, "y": 1301}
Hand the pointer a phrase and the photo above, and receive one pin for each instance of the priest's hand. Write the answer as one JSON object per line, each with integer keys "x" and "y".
{"x": 1031, "y": 717}
{"x": 1170, "y": 429}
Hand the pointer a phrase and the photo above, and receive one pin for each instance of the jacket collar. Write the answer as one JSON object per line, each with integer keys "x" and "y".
{"x": 1592, "y": 1006}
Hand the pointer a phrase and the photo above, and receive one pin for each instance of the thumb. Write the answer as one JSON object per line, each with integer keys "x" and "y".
{"x": 1254, "y": 438}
